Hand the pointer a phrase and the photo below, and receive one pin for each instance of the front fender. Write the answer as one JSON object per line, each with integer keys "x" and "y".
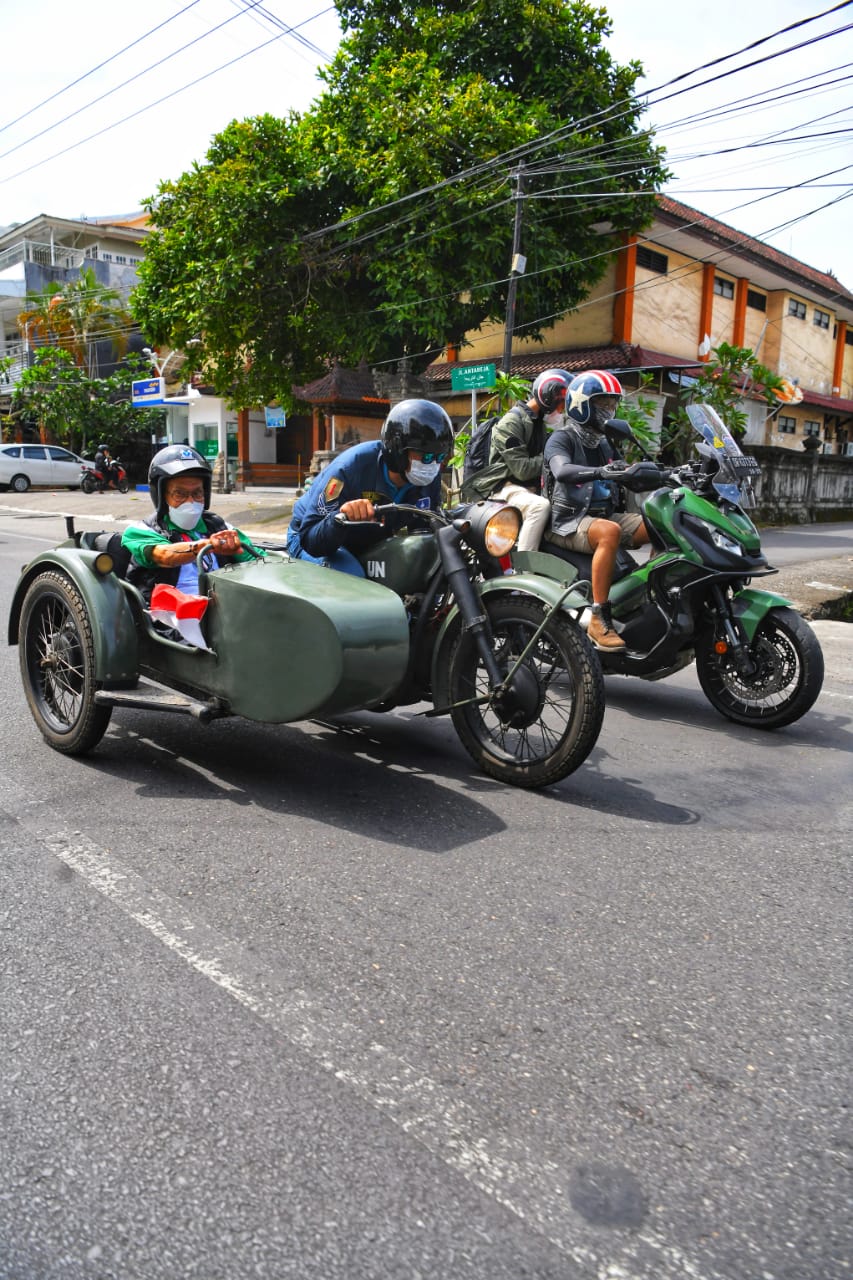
{"x": 114, "y": 630}
{"x": 552, "y": 595}
{"x": 750, "y": 606}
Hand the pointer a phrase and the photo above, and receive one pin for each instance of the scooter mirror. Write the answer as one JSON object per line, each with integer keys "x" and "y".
{"x": 617, "y": 429}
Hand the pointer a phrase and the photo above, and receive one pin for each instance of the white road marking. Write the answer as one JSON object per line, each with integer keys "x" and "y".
{"x": 535, "y": 1191}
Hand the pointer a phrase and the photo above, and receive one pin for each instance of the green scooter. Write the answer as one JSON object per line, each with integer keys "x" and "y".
{"x": 758, "y": 662}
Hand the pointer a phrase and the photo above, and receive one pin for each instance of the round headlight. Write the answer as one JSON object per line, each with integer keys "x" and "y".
{"x": 501, "y": 531}
{"x": 104, "y": 563}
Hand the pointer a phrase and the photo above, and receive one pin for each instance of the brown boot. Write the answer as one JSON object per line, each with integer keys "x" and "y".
{"x": 601, "y": 631}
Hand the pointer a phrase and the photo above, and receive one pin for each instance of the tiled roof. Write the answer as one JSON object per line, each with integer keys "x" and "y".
{"x": 677, "y": 214}
{"x": 833, "y": 404}
{"x": 342, "y": 386}
{"x": 531, "y": 363}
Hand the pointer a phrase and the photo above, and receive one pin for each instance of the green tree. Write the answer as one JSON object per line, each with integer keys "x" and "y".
{"x": 75, "y": 410}
{"x": 723, "y": 384}
{"x": 379, "y": 224}
{"x": 76, "y": 317}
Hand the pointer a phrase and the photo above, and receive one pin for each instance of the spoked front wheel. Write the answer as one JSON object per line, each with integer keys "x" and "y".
{"x": 785, "y": 682}
{"x": 548, "y": 720}
{"x": 56, "y": 651}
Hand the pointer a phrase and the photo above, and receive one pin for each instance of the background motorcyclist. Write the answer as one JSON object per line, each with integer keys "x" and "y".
{"x": 104, "y": 463}
{"x": 402, "y": 466}
{"x": 584, "y": 496}
{"x": 165, "y": 547}
{"x": 514, "y": 470}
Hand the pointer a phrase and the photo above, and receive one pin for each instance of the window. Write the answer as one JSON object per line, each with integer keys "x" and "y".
{"x": 787, "y": 426}
{"x": 725, "y": 288}
{"x": 811, "y": 428}
{"x": 848, "y": 337}
{"x": 758, "y": 301}
{"x": 796, "y": 308}
{"x": 652, "y": 261}
{"x": 60, "y": 455}
{"x": 120, "y": 257}
{"x": 821, "y": 319}
{"x": 14, "y": 452}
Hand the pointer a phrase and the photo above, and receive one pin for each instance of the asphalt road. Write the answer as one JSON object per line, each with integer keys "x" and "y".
{"x": 322, "y": 1001}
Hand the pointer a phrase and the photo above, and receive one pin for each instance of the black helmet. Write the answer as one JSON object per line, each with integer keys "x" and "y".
{"x": 582, "y": 404}
{"x": 415, "y": 424}
{"x": 103, "y": 448}
{"x": 176, "y": 460}
{"x": 550, "y": 388}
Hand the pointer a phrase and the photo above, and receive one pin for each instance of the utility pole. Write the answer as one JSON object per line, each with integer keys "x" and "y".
{"x": 519, "y": 262}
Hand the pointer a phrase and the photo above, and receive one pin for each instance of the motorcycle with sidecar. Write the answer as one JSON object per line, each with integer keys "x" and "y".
{"x": 435, "y": 620}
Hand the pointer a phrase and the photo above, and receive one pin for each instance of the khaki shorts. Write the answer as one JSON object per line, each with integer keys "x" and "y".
{"x": 629, "y": 523}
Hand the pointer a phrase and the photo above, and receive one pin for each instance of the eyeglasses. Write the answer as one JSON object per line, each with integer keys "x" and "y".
{"x": 186, "y": 495}
{"x": 429, "y": 457}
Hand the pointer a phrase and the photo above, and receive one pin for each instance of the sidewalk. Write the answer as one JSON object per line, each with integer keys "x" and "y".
{"x": 818, "y": 588}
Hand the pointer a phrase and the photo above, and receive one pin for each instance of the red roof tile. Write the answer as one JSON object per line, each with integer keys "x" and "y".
{"x": 342, "y": 386}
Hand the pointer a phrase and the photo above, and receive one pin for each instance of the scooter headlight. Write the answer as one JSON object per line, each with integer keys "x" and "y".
{"x": 501, "y": 531}
{"x": 720, "y": 540}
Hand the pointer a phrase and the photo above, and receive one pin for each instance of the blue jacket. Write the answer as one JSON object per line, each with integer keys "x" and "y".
{"x": 359, "y": 472}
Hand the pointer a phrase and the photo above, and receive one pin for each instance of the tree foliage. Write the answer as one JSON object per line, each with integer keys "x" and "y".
{"x": 68, "y": 406}
{"x": 379, "y": 224}
{"x": 76, "y": 317}
{"x": 722, "y": 383}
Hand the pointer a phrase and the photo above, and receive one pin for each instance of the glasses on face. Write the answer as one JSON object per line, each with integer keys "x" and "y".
{"x": 179, "y": 496}
{"x": 427, "y": 457}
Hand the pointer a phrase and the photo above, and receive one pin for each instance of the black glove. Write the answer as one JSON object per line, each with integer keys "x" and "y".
{"x": 638, "y": 476}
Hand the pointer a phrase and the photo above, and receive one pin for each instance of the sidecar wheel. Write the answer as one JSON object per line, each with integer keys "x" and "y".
{"x": 57, "y": 657}
{"x": 787, "y": 680}
{"x": 548, "y": 727}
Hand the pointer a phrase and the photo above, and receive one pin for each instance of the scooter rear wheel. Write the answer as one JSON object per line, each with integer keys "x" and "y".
{"x": 57, "y": 658}
{"x": 787, "y": 679}
{"x": 550, "y": 720}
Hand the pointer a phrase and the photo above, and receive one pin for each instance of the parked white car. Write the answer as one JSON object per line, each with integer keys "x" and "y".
{"x": 23, "y": 465}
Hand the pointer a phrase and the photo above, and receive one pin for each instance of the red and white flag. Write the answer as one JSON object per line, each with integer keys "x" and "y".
{"x": 183, "y": 612}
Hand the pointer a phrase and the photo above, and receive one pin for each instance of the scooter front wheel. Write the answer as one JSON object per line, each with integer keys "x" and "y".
{"x": 548, "y": 720}
{"x": 785, "y": 682}
{"x": 88, "y": 484}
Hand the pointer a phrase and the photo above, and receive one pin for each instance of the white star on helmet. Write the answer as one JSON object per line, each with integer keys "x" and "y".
{"x": 579, "y": 398}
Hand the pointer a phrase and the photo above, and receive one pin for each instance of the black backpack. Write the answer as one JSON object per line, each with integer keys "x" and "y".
{"x": 479, "y": 448}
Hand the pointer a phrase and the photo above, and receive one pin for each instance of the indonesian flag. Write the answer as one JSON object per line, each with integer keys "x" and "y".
{"x": 176, "y": 609}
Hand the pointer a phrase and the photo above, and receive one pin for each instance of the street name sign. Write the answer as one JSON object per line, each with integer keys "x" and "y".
{"x": 469, "y": 377}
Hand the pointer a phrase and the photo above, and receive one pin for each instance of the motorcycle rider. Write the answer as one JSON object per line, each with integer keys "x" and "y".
{"x": 104, "y": 464}
{"x": 583, "y": 497}
{"x": 514, "y": 470}
{"x": 402, "y": 466}
{"x": 164, "y": 548}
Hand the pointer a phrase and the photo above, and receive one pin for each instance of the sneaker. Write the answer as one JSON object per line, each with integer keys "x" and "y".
{"x": 601, "y": 633}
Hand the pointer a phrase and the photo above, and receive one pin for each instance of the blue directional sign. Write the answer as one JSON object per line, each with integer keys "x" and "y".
{"x": 148, "y": 391}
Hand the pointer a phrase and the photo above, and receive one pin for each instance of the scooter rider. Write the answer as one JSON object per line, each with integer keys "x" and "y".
{"x": 104, "y": 463}
{"x": 402, "y": 466}
{"x": 583, "y": 497}
{"x": 514, "y": 470}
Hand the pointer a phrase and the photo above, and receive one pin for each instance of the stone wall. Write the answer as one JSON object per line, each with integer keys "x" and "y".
{"x": 802, "y": 487}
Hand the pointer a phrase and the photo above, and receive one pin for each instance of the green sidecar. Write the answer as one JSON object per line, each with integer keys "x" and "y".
{"x": 286, "y": 640}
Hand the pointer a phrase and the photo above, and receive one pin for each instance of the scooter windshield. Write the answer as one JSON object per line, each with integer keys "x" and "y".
{"x": 735, "y": 469}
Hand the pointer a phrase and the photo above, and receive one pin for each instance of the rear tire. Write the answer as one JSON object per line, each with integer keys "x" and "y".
{"x": 56, "y": 651}
{"x": 123, "y": 486}
{"x": 19, "y": 484}
{"x": 563, "y": 697}
{"x": 787, "y": 680}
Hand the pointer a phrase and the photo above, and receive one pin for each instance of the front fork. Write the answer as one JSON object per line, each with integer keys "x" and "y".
{"x": 734, "y": 641}
{"x": 469, "y": 601}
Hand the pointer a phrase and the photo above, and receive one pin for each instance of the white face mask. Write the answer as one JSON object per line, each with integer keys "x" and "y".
{"x": 187, "y": 515}
{"x": 422, "y": 473}
{"x": 554, "y": 419}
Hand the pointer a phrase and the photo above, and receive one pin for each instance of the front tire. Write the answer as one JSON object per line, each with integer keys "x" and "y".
{"x": 56, "y": 650}
{"x": 549, "y": 729}
{"x": 785, "y": 684}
